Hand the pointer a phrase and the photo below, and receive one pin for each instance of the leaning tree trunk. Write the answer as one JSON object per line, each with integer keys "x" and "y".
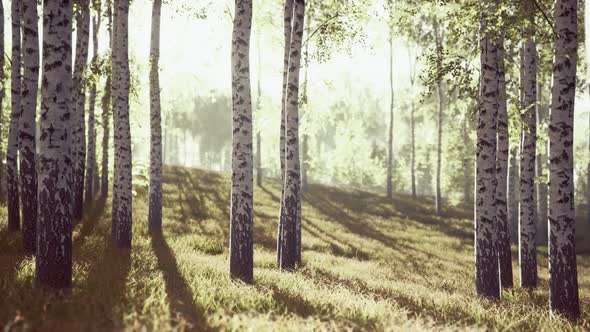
{"x": 53, "y": 265}
{"x": 13, "y": 141}
{"x": 563, "y": 275}
{"x": 541, "y": 159}
{"x": 486, "y": 258}
{"x": 292, "y": 193}
{"x": 79, "y": 101}
{"x": 439, "y": 106}
{"x": 91, "y": 168}
{"x": 122, "y": 213}
{"x": 106, "y": 115}
{"x": 241, "y": 219}
{"x": 155, "y": 209}
{"x": 504, "y": 255}
{"x": 28, "y": 124}
{"x": 527, "y": 224}
{"x": 288, "y": 17}
{"x": 390, "y": 132}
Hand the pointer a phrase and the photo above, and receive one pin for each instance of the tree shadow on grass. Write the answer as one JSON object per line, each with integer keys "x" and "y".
{"x": 180, "y": 296}
{"x": 93, "y": 213}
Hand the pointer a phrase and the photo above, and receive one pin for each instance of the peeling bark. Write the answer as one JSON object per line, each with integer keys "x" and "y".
{"x": 563, "y": 274}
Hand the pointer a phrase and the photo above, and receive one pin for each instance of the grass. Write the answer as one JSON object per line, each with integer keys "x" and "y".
{"x": 368, "y": 265}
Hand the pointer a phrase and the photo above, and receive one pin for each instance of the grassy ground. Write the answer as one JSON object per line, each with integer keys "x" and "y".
{"x": 367, "y": 265}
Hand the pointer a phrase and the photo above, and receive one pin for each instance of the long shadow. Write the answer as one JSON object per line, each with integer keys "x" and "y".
{"x": 93, "y": 213}
{"x": 106, "y": 286}
{"x": 179, "y": 293}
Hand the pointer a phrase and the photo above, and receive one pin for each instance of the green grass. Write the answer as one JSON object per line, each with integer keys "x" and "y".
{"x": 368, "y": 265}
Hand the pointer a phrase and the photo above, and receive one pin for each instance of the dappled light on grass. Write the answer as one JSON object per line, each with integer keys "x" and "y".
{"x": 367, "y": 264}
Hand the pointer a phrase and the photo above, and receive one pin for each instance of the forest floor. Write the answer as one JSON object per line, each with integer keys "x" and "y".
{"x": 367, "y": 265}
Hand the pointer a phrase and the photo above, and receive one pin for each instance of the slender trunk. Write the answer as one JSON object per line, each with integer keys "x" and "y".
{"x": 292, "y": 193}
{"x": 91, "y": 155}
{"x": 241, "y": 219}
{"x": 2, "y": 95}
{"x": 563, "y": 274}
{"x": 504, "y": 254}
{"x": 527, "y": 224}
{"x": 390, "y": 134}
{"x": 13, "y": 141}
{"x": 288, "y": 17}
{"x": 53, "y": 265}
{"x": 467, "y": 163}
{"x": 512, "y": 196}
{"x": 487, "y": 281}
{"x": 541, "y": 158}
{"x": 439, "y": 104}
{"x": 79, "y": 101}
{"x": 305, "y": 100}
{"x": 27, "y": 136}
{"x": 106, "y": 115}
{"x": 259, "y": 109}
{"x": 122, "y": 213}
{"x": 412, "y": 125}
{"x": 155, "y": 212}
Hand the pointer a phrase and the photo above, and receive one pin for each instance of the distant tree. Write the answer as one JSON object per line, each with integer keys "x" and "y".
{"x": 527, "y": 224}
{"x": 241, "y": 219}
{"x": 28, "y": 125}
{"x": 541, "y": 160}
{"x": 122, "y": 186}
{"x": 438, "y": 40}
{"x": 292, "y": 194}
{"x": 53, "y": 264}
{"x": 91, "y": 167}
{"x": 412, "y": 124}
{"x": 82, "y": 11}
{"x": 390, "y": 130}
{"x": 563, "y": 274}
{"x": 258, "y": 111}
{"x": 13, "y": 141}
{"x": 155, "y": 209}
{"x": 486, "y": 258}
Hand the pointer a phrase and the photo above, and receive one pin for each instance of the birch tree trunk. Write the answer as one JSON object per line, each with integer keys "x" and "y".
{"x": 2, "y": 95}
{"x": 241, "y": 219}
{"x": 512, "y": 197}
{"x": 259, "y": 109}
{"x": 486, "y": 258}
{"x": 527, "y": 224}
{"x": 563, "y": 275}
{"x": 467, "y": 163}
{"x": 412, "y": 126}
{"x": 390, "y": 134}
{"x": 53, "y": 265}
{"x": 106, "y": 114}
{"x": 79, "y": 101}
{"x": 155, "y": 212}
{"x": 288, "y": 17}
{"x": 541, "y": 159}
{"x": 91, "y": 168}
{"x": 27, "y": 136}
{"x": 439, "y": 106}
{"x": 504, "y": 255}
{"x": 122, "y": 213}
{"x": 13, "y": 141}
{"x": 292, "y": 193}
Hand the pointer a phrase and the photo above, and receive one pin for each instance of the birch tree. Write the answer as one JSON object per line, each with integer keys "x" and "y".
{"x": 91, "y": 168}
{"x": 241, "y": 219}
{"x": 79, "y": 102}
{"x": 486, "y": 259}
{"x": 540, "y": 161}
{"x": 155, "y": 208}
{"x": 438, "y": 40}
{"x": 504, "y": 254}
{"x": 390, "y": 130}
{"x": 563, "y": 275}
{"x": 292, "y": 193}
{"x": 13, "y": 133}
{"x": 106, "y": 113}
{"x": 27, "y": 135}
{"x": 122, "y": 186}
{"x": 527, "y": 224}
{"x": 53, "y": 265}
{"x": 2, "y": 92}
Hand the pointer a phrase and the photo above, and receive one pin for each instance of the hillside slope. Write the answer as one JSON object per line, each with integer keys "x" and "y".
{"x": 368, "y": 264}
